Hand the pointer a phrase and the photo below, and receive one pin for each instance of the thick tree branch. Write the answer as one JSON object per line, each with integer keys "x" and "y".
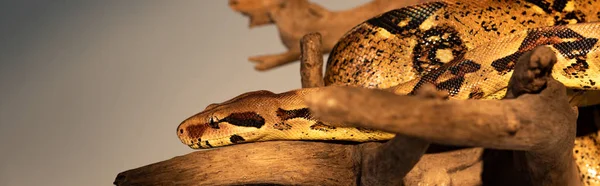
{"x": 508, "y": 124}
{"x": 294, "y": 163}
{"x": 286, "y": 163}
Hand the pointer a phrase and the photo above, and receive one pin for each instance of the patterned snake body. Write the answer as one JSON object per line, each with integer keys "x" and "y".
{"x": 467, "y": 48}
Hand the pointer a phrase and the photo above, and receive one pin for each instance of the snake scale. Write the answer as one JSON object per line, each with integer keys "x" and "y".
{"x": 466, "y": 47}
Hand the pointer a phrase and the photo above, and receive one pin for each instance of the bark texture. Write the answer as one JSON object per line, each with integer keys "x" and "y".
{"x": 311, "y": 61}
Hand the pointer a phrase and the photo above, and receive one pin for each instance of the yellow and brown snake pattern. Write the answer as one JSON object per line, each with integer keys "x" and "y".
{"x": 466, "y": 47}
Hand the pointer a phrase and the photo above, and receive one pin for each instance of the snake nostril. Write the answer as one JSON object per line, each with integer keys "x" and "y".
{"x": 181, "y": 131}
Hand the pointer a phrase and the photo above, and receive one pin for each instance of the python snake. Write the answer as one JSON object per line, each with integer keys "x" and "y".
{"x": 466, "y": 47}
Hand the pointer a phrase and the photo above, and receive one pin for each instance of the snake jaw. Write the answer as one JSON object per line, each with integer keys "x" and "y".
{"x": 203, "y": 136}
{"x": 207, "y": 135}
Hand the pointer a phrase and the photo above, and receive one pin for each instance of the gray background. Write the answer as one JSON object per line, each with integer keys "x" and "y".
{"x": 92, "y": 88}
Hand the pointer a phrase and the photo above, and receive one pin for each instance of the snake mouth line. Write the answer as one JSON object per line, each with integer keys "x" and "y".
{"x": 199, "y": 144}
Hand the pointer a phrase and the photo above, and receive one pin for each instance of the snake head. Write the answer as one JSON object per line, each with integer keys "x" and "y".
{"x": 237, "y": 120}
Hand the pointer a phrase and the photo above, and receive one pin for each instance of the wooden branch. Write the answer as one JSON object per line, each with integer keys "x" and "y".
{"x": 258, "y": 11}
{"x": 286, "y": 163}
{"x": 296, "y": 18}
{"x": 492, "y": 124}
{"x": 540, "y": 127}
{"x": 311, "y": 61}
{"x": 293, "y": 163}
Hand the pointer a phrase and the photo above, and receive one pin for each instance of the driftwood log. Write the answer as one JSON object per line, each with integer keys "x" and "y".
{"x": 527, "y": 140}
{"x": 296, "y": 18}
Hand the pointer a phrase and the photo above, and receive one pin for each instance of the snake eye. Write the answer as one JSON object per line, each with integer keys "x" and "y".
{"x": 213, "y": 122}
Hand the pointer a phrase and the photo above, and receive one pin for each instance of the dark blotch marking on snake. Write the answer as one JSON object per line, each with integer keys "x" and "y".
{"x": 417, "y": 15}
{"x": 291, "y": 114}
{"x": 452, "y": 85}
{"x": 282, "y": 126}
{"x": 443, "y": 37}
{"x": 208, "y": 144}
{"x": 557, "y": 5}
{"x": 195, "y": 131}
{"x": 575, "y": 49}
{"x": 429, "y": 42}
{"x": 577, "y": 46}
{"x": 236, "y": 139}
{"x": 321, "y": 127}
{"x": 476, "y": 93}
{"x": 567, "y": 18}
{"x": 580, "y": 66}
{"x": 544, "y": 5}
{"x": 564, "y": 17}
{"x": 245, "y": 119}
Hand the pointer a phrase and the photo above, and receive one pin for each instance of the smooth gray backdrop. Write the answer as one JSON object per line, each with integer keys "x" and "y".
{"x": 92, "y": 88}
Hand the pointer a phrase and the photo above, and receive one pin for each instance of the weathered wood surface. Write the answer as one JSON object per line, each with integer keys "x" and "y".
{"x": 293, "y": 163}
{"x": 288, "y": 163}
{"x": 311, "y": 61}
